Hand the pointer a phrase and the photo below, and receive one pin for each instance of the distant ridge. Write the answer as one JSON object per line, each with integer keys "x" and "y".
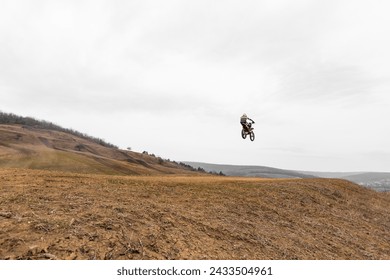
{"x": 379, "y": 181}
{"x": 249, "y": 170}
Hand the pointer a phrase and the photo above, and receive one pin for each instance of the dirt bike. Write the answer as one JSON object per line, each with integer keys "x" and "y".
{"x": 248, "y": 130}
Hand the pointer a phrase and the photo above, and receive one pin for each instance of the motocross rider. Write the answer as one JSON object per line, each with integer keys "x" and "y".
{"x": 243, "y": 120}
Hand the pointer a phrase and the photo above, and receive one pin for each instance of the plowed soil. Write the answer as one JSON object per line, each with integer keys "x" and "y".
{"x": 62, "y": 215}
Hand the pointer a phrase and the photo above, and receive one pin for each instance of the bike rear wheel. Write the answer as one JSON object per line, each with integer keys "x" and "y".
{"x": 243, "y": 133}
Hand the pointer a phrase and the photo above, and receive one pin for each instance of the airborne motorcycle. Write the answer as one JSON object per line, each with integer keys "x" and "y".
{"x": 248, "y": 130}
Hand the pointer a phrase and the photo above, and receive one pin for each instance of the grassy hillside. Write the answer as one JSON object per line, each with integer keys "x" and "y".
{"x": 57, "y": 215}
{"x": 24, "y": 146}
{"x": 12, "y": 119}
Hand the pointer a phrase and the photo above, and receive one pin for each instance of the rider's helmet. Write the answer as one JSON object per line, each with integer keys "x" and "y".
{"x": 244, "y": 115}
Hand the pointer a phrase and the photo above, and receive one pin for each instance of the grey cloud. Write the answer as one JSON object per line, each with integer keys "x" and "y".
{"x": 326, "y": 83}
{"x": 210, "y": 59}
{"x": 107, "y": 103}
{"x": 250, "y": 28}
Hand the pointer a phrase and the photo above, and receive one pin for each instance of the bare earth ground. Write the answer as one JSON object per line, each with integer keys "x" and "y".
{"x": 59, "y": 215}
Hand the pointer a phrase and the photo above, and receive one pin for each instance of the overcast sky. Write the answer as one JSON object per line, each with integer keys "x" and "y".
{"x": 173, "y": 77}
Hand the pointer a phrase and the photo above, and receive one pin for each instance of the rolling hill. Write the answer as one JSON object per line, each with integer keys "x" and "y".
{"x": 25, "y": 146}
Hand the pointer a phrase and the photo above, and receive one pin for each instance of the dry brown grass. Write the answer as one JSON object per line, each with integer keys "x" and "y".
{"x": 28, "y": 147}
{"x": 59, "y": 215}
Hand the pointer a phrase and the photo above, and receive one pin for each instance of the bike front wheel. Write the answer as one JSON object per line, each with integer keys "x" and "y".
{"x": 252, "y": 136}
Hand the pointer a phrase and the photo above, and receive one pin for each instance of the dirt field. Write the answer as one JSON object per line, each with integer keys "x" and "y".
{"x": 59, "y": 215}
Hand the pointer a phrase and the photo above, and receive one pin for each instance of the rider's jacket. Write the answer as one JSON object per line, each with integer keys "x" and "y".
{"x": 243, "y": 119}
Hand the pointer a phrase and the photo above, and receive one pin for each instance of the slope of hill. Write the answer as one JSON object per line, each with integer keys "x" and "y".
{"x": 12, "y": 119}
{"x": 248, "y": 170}
{"x": 62, "y": 215}
{"x": 23, "y": 146}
